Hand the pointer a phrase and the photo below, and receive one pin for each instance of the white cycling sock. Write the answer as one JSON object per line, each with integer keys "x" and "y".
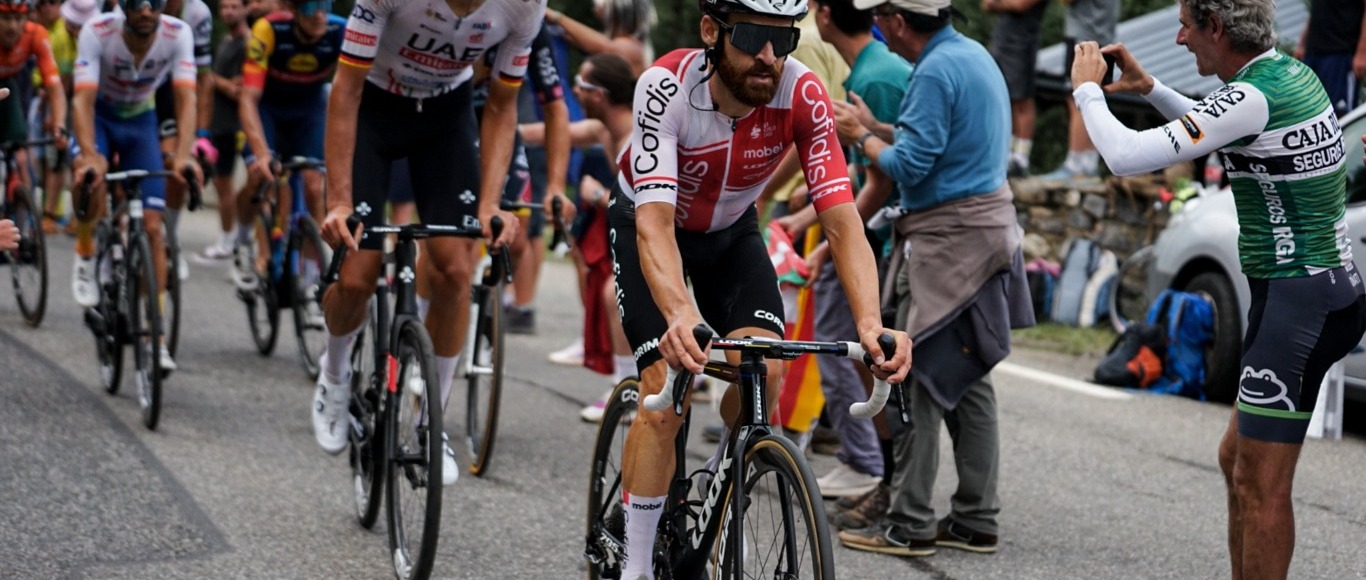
{"x": 642, "y": 520}
{"x": 624, "y": 365}
{"x": 337, "y": 358}
{"x": 445, "y": 376}
{"x": 423, "y": 305}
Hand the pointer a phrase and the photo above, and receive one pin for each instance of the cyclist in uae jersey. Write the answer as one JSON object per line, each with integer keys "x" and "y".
{"x": 20, "y": 41}
{"x": 291, "y": 56}
{"x": 710, "y": 129}
{"x": 1283, "y": 153}
{"x": 403, "y": 91}
{"x": 121, "y": 58}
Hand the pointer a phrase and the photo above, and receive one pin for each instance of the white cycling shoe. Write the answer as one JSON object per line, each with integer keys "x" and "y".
{"x": 330, "y": 424}
{"x": 83, "y": 285}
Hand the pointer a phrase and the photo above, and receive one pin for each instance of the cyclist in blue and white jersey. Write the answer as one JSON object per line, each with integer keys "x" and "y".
{"x": 121, "y": 58}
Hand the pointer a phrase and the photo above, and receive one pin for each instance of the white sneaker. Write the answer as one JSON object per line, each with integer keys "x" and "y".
{"x": 216, "y": 252}
{"x": 164, "y": 359}
{"x": 83, "y": 285}
{"x": 244, "y": 266}
{"x": 449, "y": 472}
{"x": 329, "y": 413}
{"x": 571, "y": 355}
{"x": 593, "y": 413}
{"x": 844, "y": 481}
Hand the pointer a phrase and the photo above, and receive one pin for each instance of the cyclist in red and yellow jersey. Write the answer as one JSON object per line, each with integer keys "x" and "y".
{"x": 20, "y": 40}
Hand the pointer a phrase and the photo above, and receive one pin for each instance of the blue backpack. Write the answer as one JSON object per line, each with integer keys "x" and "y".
{"x": 1187, "y": 320}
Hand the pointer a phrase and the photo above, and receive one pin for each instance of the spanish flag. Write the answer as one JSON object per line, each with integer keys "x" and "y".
{"x": 800, "y": 400}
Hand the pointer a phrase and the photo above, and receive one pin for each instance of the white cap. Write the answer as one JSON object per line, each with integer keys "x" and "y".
{"x": 78, "y": 12}
{"x": 926, "y": 7}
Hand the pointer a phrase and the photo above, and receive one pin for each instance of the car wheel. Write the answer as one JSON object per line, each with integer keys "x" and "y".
{"x": 1226, "y": 350}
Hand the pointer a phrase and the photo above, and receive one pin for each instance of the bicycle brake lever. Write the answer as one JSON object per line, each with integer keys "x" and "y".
{"x": 334, "y": 267}
{"x": 676, "y": 382}
{"x": 881, "y": 389}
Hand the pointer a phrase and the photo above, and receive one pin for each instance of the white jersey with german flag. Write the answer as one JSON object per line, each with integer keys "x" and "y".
{"x": 419, "y": 48}
{"x": 104, "y": 62}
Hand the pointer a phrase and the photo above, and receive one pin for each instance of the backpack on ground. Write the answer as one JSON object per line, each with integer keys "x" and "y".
{"x": 1086, "y": 270}
{"x": 1188, "y": 321}
{"x": 1135, "y": 358}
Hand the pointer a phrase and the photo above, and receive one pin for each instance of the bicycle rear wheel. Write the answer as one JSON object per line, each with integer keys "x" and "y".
{"x": 414, "y": 443}
{"x": 367, "y": 441}
{"x": 606, "y": 545}
{"x": 28, "y": 262}
{"x": 109, "y": 337}
{"x": 263, "y": 303}
{"x": 170, "y": 319}
{"x": 783, "y": 527}
{"x": 308, "y": 257}
{"x": 144, "y": 326}
{"x": 485, "y": 378}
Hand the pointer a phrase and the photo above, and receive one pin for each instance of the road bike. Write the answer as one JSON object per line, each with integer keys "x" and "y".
{"x": 396, "y": 426}
{"x": 290, "y": 256}
{"x": 482, "y": 358}
{"x": 28, "y": 262}
{"x": 760, "y": 516}
{"x": 129, "y": 312}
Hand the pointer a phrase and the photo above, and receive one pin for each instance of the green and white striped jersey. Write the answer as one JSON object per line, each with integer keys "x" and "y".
{"x": 1283, "y": 153}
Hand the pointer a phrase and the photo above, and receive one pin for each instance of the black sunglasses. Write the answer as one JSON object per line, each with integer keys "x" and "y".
{"x": 750, "y": 38}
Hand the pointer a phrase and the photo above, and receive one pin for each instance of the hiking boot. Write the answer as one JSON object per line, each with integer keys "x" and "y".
{"x": 845, "y": 480}
{"x": 885, "y": 539}
{"x": 868, "y": 512}
{"x": 849, "y": 502}
{"x": 955, "y": 535}
{"x": 520, "y": 320}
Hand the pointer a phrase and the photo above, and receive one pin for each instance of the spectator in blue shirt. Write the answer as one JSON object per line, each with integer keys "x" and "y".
{"x": 956, "y": 274}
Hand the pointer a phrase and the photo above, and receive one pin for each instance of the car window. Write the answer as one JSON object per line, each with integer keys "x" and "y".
{"x": 1356, "y": 172}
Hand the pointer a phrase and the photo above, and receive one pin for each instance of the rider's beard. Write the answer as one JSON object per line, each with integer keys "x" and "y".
{"x": 743, "y": 87}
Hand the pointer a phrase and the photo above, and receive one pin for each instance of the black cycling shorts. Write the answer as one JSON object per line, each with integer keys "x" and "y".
{"x": 1296, "y": 329}
{"x": 732, "y": 279}
{"x": 437, "y": 135}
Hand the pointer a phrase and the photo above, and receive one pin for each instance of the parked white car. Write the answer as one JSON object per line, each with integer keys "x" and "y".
{"x": 1198, "y": 252}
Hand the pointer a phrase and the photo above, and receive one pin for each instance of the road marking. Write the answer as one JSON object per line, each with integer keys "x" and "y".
{"x": 1062, "y": 382}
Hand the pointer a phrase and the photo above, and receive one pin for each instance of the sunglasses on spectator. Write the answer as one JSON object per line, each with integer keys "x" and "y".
{"x": 315, "y": 6}
{"x": 750, "y": 38}
{"x": 584, "y": 85}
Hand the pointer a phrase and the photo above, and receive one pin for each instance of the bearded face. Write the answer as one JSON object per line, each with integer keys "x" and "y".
{"x": 752, "y": 82}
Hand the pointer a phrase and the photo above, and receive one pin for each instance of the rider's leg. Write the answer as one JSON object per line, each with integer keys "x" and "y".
{"x": 647, "y": 467}
{"x": 344, "y": 308}
{"x": 449, "y": 270}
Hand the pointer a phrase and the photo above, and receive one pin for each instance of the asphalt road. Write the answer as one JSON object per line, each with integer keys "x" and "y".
{"x": 232, "y": 484}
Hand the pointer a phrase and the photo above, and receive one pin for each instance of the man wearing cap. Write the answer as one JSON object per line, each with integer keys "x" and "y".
{"x": 948, "y": 158}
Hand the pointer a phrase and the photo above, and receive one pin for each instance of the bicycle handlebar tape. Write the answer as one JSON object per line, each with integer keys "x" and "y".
{"x": 676, "y": 382}
{"x": 83, "y": 194}
{"x": 196, "y": 194}
{"x": 881, "y": 390}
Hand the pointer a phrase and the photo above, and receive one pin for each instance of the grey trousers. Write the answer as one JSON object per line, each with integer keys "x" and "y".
{"x": 976, "y": 453}
{"x": 840, "y": 380}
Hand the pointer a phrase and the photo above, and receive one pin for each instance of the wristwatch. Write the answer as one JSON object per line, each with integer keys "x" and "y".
{"x": 862, "y": 140}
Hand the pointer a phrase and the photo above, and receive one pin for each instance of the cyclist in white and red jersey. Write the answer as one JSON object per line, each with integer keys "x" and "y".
{"x": 403, "y": 91}
{"x": 121, "y": 58}
{"x": 711, "y": 126}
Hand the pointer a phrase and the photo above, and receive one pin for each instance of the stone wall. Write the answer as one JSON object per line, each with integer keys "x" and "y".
{"x": 1122, "y": 214}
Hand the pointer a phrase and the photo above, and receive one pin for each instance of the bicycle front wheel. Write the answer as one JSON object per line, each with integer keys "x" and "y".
{"x": 263, "y": 303}
{"x": 28, "y": 262}
{"x": 606, "y": 522}
{"x": 415, "y": 449}
{"x": 308, "y": 257}
{"x": 367, "y": 442}
{"x": 485, "y": 376}
{"x": 144, "y": 322}
{"x": 782, "y": 530}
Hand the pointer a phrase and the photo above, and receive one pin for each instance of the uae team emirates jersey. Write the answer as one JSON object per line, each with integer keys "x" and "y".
{"x": 419, "y": 48}
{"x": 711, "y": 167}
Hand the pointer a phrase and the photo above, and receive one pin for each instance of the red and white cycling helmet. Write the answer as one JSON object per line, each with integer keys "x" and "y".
{"x": 15, "y": 6}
